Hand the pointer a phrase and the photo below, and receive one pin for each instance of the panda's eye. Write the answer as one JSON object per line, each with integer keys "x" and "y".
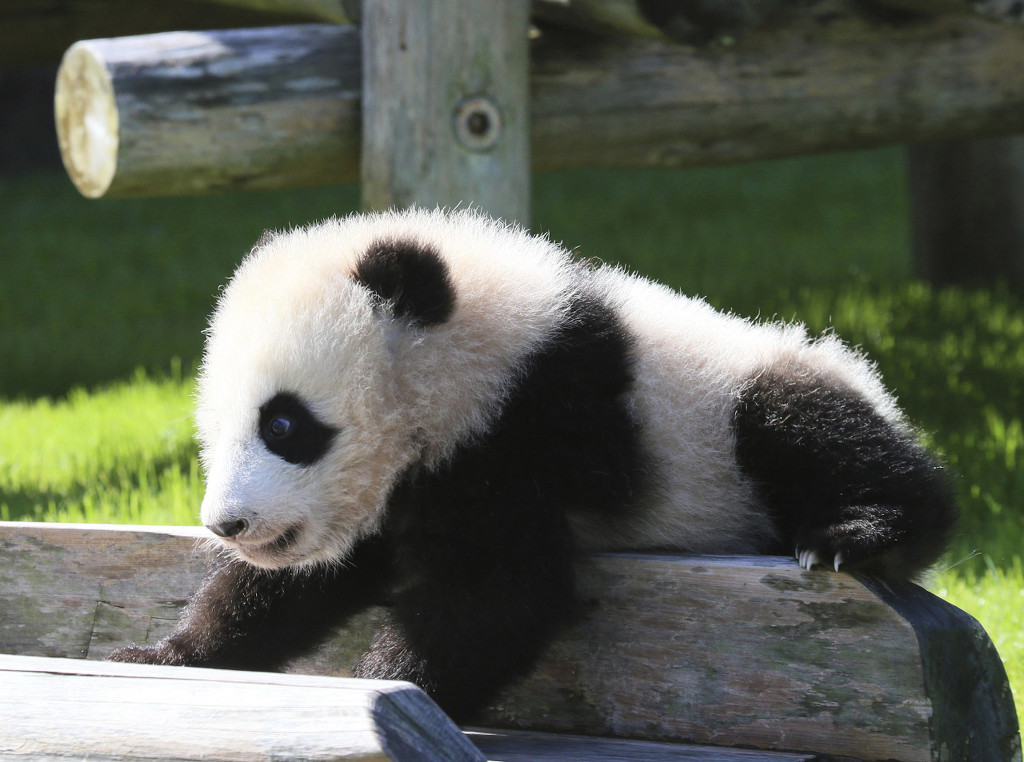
{"x": 290, "y": 430}
{"x": 279, "y": 427}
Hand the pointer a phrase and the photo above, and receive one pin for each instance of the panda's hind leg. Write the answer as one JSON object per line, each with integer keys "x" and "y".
{"x": 846, "y": 486}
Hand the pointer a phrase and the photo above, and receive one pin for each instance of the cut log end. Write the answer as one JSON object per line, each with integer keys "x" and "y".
{"x": 87, "y": 122}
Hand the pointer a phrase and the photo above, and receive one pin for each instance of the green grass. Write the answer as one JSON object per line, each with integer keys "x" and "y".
{"x": 91, "y": 291}
{"x": 122, "y": 454}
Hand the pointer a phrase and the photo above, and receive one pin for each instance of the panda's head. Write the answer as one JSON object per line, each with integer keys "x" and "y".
{"x": 302, "y": 417}
{"x": 343, "y": 354}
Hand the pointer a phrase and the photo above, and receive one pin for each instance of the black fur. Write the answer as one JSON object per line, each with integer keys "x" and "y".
{"x": 409, "y": 277}
{"x": 838, "y": 478}
{"x": 476, "y": 557}
{"x": 290, "y": 430}
{"x": 244, "y": 617}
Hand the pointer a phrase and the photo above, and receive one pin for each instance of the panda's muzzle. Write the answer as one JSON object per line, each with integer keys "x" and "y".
{"x": 234, "y": 532}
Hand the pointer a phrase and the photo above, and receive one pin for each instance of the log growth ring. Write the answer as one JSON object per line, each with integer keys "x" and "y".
{"x": 85, "y": 111}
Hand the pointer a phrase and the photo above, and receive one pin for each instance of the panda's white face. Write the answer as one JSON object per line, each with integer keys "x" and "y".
{"x": 301, "y": 433}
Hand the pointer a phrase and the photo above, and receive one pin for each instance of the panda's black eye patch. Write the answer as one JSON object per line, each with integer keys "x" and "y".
{"x": 290, "y": 430}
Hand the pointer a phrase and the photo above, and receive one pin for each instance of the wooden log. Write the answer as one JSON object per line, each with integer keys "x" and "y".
{"x": 34, "y": 32}
{"x": 336, "y": 11}
{"x": 176, "y": 114}
{"x": 63, "y": 708}
{"x": 693, "y": 21}
{"x": 445, "y": 109}
{"x": 1000, "y": 10}
{"x": 521, "y": 746}
{"x": 187, "y": 112}
{"x": 967, "y": 211}
{"x": 751, "y": 652}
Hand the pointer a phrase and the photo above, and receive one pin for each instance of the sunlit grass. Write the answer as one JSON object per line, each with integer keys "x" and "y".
{"x": 123, "y": 454}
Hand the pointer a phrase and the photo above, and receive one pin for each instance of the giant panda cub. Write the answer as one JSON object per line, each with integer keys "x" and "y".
{"x": 439, "y": 411}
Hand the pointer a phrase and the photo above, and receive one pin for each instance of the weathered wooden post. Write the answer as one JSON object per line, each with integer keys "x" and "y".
{"x": 445, "y": 110}
{"x": 967, "y": 208}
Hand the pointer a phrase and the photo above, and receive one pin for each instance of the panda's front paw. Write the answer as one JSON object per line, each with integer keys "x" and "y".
{"x": 158, "y": 654}
{"x": 811, "y": 558}
{"x": 859, "y": 541}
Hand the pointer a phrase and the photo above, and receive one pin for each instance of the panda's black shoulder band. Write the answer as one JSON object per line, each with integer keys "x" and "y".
{"x": 410, "y": 278}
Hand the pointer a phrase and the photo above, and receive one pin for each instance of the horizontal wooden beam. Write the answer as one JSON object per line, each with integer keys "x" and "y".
{"x": 184, "y": 113}
{"x": 737, "y": 651}
{"x": 73, "y": 709}
{"x": 65, "y": 708}
{"x": 1000, "y": 10}
{"x": 34, "y": 32}
{"x": 693, "y": 21}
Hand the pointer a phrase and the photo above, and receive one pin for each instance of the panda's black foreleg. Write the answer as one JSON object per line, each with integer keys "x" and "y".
{"x": 847, "y": 487}
{"x": 474, "y": 608}
{"x": 244, "y": 617}
{"x": 463, "y": 652}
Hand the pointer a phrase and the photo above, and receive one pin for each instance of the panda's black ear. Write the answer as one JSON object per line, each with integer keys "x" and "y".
{"x": 410, "y": 278}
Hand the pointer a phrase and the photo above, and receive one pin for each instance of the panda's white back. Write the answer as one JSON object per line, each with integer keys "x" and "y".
{"x": 692, "y": 362}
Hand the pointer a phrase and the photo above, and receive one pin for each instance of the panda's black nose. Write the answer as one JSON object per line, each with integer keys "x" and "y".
{"x": 231, "y": 528}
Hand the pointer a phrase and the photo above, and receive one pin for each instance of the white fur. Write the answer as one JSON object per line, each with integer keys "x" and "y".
{"x": 293, "y": 320}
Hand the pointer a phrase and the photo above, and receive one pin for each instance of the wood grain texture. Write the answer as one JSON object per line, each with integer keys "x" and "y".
{"x": 732, "y": 651}
{"x": 190, "y": 112}
{"x": 820, "y": 79}
{"x": 444, "y": 107}
{"x": 963, "y": 676}
{"x": 519, "y": 746}
{"x": 55, "y": 708}
{"x": 214, "y": 111}
{"x": 39, "y": 32}
{"x": 81, "y": 591}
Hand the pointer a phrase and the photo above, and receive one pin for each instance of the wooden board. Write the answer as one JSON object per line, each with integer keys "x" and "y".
{"x": 202, "y": 112}
{"x": 518, "y": 746}
{"x": 723, "y": 651}
{"x": 81, "y": 591}
{"x": 54, "y": 708}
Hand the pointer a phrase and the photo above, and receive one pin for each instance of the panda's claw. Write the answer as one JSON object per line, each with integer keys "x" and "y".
{"x": 808, "y": 559}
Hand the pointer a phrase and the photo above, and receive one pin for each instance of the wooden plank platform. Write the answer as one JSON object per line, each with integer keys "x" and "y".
{"x": 519, "y": 746}
{"x": 69, "y": 708}
{"x": 739, "y": 651}
{"x": 73, "y": 709}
